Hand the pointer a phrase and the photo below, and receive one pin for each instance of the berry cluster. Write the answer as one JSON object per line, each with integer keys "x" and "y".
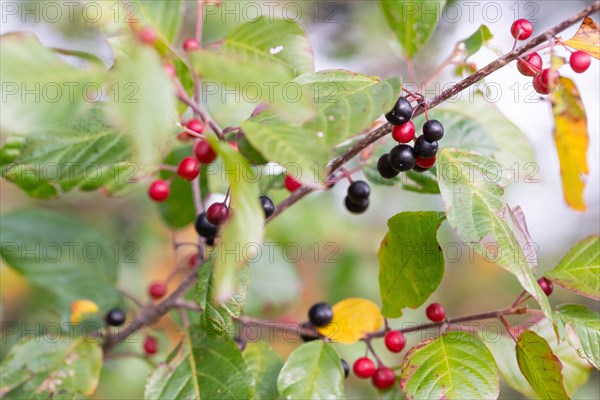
{"x": 544, "y": 80}
{"x": 404, "y": 157}
{"x": 357, "y": 197}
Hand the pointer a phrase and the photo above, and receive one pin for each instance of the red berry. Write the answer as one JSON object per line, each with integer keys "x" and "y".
{"x": 521, "y": 29}
{"x": 395, "y": 341}
{"x": 147, "y": 36}
{"x": 291, "y": 184}
{"x": 150, "y": 345}
{"x": 217, "y": 213}
{"x": 546, "y": 285}
{"x": 364, "y": 368}
{"x": 435, "y": 312}
{"x": 204, "y": 153}
{"x": 384, "y": 378}
{"x": 539, "y": 86}
{"x": 183, "y": 136}
{"x": 157, "y": 290}
{"x": 193, "y": 260}
{"x": 191, "y": 44}
{"x": 425, "y": 162}
{"x": 549, "y": 77}
{"x": 169, "y": 69}
{"x": 404, "y": 133}
{"x": 188, "y": 168}
{"x": 195, "y": 125}
{"x": 580, "y": 61}
{"x": 159, "y": 190}
{"x": 531, "y": 65}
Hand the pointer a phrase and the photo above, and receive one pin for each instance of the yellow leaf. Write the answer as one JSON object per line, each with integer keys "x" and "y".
{"x": 571, "y": 138}
{"x": 353, "y": 318}
{"x": 81, "y": 308}
{"x": 587, "y": 38}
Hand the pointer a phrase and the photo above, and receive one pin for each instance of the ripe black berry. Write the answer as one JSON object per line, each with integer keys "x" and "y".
{"x": 205, "y": 228}
{"x": 425, "y": 149}
{"x": 210, "y": 241}
{"x": 402, "y": 157}
{"x": 385, "y": 169}
{"x": 115, "y": 317}
{"x": 359, "y": 191}
{"x": 418, "y": 168}
{"x": 346, "y": 368}
{"x": 401, "y": 113}
{"x": 267, "y": 205}
{"x": 320, "y": 314}
{"x": 433, "y": 130}
{"x": 356, "y": 207}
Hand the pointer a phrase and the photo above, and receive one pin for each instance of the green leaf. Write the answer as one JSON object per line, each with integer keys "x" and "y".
{"x": 540, "y": 366}
{"x": 475, "y": 210}
{"x": 164, "y": 16}
{"x": 346, "y": 104}
{"x": 52, "y": 368}
{"x": 217, "y": 319}
{"x": 264, "y": 364}
{"x": 312, "y": 371}
{"x": 413, "y": 22}
{"x": 580, "y": 327}
{"x": 244, "y": 229}
{"x": 38, "y": 84}
{"x": 178, "y": 209}
{"x": 477, "y": 40}
{"x": 143, "y": 102}
{"x": 411, "y": 263}
{"x": 175, "y": 379}
{"x": 220, "y": 367}
{"x": 87, "y": 154}
{"x": 62, "y": 255}
{"x": 456, "y": 365}
{"x": 579, "y": 270}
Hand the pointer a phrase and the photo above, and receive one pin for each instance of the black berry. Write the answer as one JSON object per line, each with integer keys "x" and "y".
{"x": 401, "y": 113}
{"x": 356, "y": 207}
{"x": 359, "y": 191}
{"x": 210, "y": 241}
{"x": 115, "y": 317}
{"x": 402, "y": 157}
{"x": 267, "y": 205}
{"x": 433, "y": 130}
{"x": 425, "y": 149}
{"x": 385, "y": 169}
{"x": 205, "y": 228}
{"x": 320, "y": 314}
{"x": 346, "y": 368}
{"x": 418, "y": 168}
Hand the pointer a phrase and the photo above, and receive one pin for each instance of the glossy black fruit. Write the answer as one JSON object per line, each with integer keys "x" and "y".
{"x": 267, "y": 205}
{"x": 425, "y": 149}
{"x": 320, "y": 314}
{"x": 401, "y": 113}
{"x": 359, "y": 191}
{"x": 115, "y": 317}
{"x": 205, "y": 228}
{"x": 346, "y": 368}
{"x": 356, "y": 207}
{"x": 433, "y": 130}
{"x": 402, "y": 157}
{"x": 385, "y": 169}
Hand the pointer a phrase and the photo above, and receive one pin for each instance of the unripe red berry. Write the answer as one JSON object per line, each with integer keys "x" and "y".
{"x": 291, "y": 184}
{"x": 539, "y": 86}
{"x": 394, "y": 341}
{"x": 546, "y": 285}
{"x": 150, "y": 345}
{"x": 384, "y": 378}
{"x": 195, "y": 125}
{"x": 404, "y": 133}
{"x": 157, "y": 290}
{"x": 435, "y": 312}
{"x": 364, "y": 368}
{"x": 204, "y": 153}
{"x": 159, "y": 190}
{"x": 188, "y": 168}
{"x": 521, "y": 29}
{"x": 147, "y": 36}
{"x": 190, "y": 44}
{"x": 580, "y": 61}
{"x": 425, "y": 162}
{"x": 531, "y": 65}
{"x": 549, "y": 78}
{"x": 217, "y": 213}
